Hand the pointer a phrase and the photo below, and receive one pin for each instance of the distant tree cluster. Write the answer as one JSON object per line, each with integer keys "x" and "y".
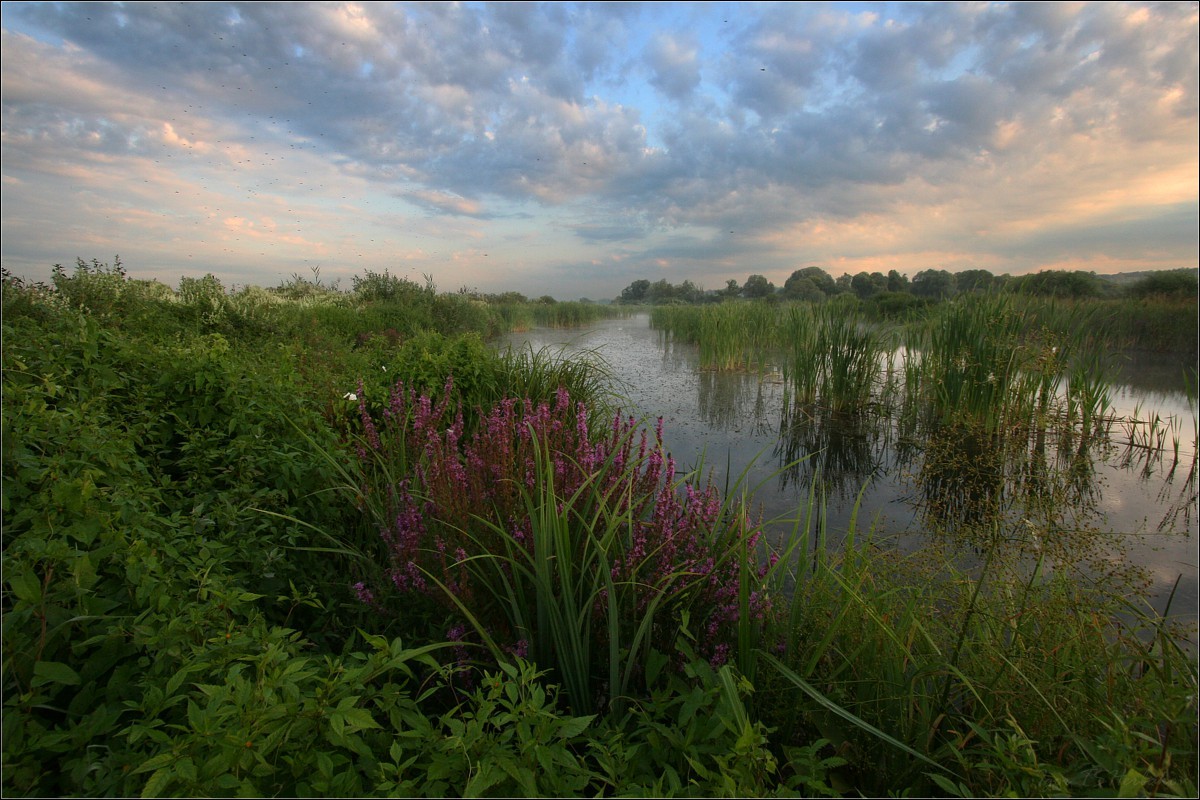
{"x": 814, "y": 284}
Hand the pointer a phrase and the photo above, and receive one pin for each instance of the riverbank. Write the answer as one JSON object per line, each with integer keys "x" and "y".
{"x": 218, "y": 582}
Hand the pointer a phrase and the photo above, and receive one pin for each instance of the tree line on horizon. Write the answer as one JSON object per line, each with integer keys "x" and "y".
{"x": 814, "y": 284}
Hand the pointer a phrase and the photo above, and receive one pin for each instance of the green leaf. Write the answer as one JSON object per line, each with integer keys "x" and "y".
{"x": 573, "y": 726}
{"x": 186, "y": 769}
{"x": 948, "y": 786}
{"x": 1132, "y": 785}
{"x": 26, "y": 586}
{"x": 157, "y": 783}
{"x": 195, "y": 717}
{"x": 487, "y": 776}
{"x": 360, "y": 719}
{"x": 54, "y": 672}
{"x": 824, "y": 701}
{"x": 155, "y": 762}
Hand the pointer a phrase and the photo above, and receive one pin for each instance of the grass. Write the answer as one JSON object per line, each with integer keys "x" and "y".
{"x": 925, "y": 673}
{"x": 735, "y": 335}
{"x": 162, "y": 634}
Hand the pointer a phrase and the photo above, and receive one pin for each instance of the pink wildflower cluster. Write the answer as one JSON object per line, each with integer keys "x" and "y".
{"x": 454, "y": 480}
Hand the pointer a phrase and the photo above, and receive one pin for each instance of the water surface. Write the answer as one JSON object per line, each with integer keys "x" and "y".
{"x": 1139, "y": 501}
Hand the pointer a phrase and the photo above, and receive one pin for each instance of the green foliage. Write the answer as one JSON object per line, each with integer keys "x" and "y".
{"x": 934, "y": 284}
{"x": 693, "y": 736}
{"x": 373, "y": 286}
{"x": 1058, "y": 283}
{"x": 635, "y": 292}
{"x": 990, "y": 685}
{"x": 894, "y": 306}
{"x": 1179, "y": 284}
{"x": 506, "y": 739}
{"x": 733, "y": 335}
{"x": 174, "y": 624}
{"x": 810, "y": 283}
{"x": 757, "y": 286}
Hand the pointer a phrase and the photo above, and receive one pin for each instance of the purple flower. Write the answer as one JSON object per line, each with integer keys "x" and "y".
{"x": 364, "y": 594}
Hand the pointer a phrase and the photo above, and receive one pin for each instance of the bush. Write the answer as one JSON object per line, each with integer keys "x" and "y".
{"x": 1177, "y": 284}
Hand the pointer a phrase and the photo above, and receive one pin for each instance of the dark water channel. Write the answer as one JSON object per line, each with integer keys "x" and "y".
{"x": 1127, "y": 497}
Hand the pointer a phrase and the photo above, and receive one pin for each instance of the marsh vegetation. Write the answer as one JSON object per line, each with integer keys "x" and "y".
{"x": 300, "y": 541}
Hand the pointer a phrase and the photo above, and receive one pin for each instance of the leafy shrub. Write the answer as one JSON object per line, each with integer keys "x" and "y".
{"x": 693, "y": 736}
{"x": 894, "y": 305}
{"x": 507, "y": 738}
{"x": 373, "y": 286}
{"x": 96, "y": 287}
{"x": 1178, "y": 284}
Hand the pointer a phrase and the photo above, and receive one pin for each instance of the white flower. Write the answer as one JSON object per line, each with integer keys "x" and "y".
{"x": 351, "y": 396}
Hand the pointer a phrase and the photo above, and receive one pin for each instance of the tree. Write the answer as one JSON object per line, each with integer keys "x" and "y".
{"x": 799, "y": 287}
{"x": 970, "y": 280}
{"x": 1180, "y": 283}
{"x": 635, "y": 292}
{"x": 819, "y": 277}
{"x": 897, "y": 282}
{"x": 861, "y": 284}
{"x": 660, "y": 292}
{"x": 732, "y": 288}
{"x": 689, "y": 292}
{"x": 1060, "y": 283}
{"x": 935, "y": 284}
{"x": 758, "y": 286}
{"x": 868, "y": 284}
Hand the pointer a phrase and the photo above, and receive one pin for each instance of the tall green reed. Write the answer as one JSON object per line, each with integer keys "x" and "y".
{"x": 831, "y": 357}
{"x": 731, "y": 336}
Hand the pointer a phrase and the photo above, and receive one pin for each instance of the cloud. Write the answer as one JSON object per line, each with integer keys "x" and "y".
{"x": 668, "y": 133}
{"x": 445, "y": 203}
{"x": 674, "y": 65}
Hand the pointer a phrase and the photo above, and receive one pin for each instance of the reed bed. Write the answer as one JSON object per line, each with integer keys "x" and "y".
{"x": 571, "y": 314}
{"x": 731, "y": 336}
{"x": 831, "y": 358}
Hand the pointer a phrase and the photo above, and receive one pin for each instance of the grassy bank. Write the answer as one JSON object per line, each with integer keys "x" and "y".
{"x": 300, "y": 542}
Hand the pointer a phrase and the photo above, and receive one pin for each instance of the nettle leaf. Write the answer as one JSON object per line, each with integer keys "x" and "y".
{"x": 155, "y": 762}
{"x": 54, "y": 672}
{"x": 26, "y": 586}
{"x": 157, "y": 783}
{"x": 573, "y": 726}
{"x": 360, "y": 719}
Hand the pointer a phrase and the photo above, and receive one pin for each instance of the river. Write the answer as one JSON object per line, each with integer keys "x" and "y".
{"x": 1129, "y": 497}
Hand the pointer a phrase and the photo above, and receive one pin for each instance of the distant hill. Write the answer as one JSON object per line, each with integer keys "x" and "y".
{"x": 1126, "y": 278}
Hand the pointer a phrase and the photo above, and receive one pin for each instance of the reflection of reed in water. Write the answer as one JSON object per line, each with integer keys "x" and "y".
{"x": 734, "y": 402}
{"x": 1036, "y": 497}
{"x": 841, "y": 451}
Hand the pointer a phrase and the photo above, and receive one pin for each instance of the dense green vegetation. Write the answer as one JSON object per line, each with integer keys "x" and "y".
{"x": 1155, "y": 312}
{"x": 297, "y": 541}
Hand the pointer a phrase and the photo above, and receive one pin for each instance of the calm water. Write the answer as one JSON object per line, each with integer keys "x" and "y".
{"x": 1124, "y": 495}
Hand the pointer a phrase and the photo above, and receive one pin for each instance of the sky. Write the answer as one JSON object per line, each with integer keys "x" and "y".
{"x": 571, "y": 148}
